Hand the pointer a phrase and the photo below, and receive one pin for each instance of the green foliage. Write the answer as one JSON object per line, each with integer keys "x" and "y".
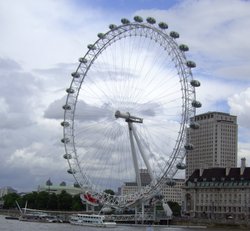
{"x": 10, "y": 200}
{"x": 64, "y": 201}
{"x": 77, "y": 204}
{"x": 175, "y": 207}
{"x": 42, "y": 200}
{"x": 109, "y": 191}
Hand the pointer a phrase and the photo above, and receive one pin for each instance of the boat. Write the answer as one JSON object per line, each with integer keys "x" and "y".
{"x": 35, "y": 215}
{"x": 91, "y": 220}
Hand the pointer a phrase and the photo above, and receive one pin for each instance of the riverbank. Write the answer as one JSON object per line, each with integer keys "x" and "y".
{"x": 212, "y": 223}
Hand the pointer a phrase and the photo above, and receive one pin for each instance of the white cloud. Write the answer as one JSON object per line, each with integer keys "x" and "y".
{"x": 240, "y": 105}
{"x": 42, "y": 40}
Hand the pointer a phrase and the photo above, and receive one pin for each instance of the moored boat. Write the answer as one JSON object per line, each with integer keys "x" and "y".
{"x": 91, "y": 220}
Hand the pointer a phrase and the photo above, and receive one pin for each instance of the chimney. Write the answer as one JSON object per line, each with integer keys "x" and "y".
{"x": 228, "y": 167}
{"x": 243, "y": 165}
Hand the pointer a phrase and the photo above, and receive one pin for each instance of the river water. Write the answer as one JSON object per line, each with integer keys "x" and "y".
{"x": 15, "y": 225}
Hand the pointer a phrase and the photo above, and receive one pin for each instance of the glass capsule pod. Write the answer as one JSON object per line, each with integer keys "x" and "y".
{"x": 65, "y": 140}
{"x": 101, "y": 35}
{"x": 65, "y": 123}
{"x": 174, "y": 34}
{"x": 195, "y": 83}
{"x": 125, "y": 21}
{"x": 196, "y": 104}
{"x": 183, "y": 47}
{"x": 163, "y": 25}
{"x": 83, "y": 60}
{"x": 151, "y": 20}
{"x": 91, "y": 47}
{"x": 194, "y": 125}
{"x": 170, "y": 182}
{"x": 112, "y": 26}
{"x": 70, "y": 90}
{"x": 67, "y": 156}
{"x": 71, "y": 171}
{"x": 181, "y": 166}
{"x": 138, "y": 19}
{"x": 191, "y": 64}
{"x": 66, "y": 107}
{"x": 189, "y": 147}
{"x": 75, "y": 75}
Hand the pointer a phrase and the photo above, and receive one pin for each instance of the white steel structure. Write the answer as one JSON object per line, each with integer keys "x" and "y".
{"x": 127, "y": 108}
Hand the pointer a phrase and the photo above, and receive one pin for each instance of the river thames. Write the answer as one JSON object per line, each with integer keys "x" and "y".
{"x": 15, "y": 225}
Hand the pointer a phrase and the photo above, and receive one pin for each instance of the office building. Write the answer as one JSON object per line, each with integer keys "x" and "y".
{"x": 214, "y": 143}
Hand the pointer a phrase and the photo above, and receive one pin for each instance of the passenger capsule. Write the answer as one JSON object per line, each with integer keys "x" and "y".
{"x": 101, "y": 35}
{"x": 75, "y": 75}
{"x": 66, "y": 107}
{"x": 194, "y": 125}
{"x": 125, "y": 21}
{"x": 183, "y": 47}
{"x": 195, "y": 83}
{"x": 138, "y": 19}
{"x": 65, "y": 140}
{"x": 191, "y": 64}
{"x": 196, "y": 104}
{"x": 174, "y": 34}
{"x": 112, "y": 26}
{"x": 67, "y": 156}
{"x": 70, "y": 90}
{"x": 189, "y": 147}
{"x": 151, "y": 20}
{"x": 83, "y": 60}
{"x": 170, "y": 182}
{"x": 71, "y": 171}
{"x": 181, "y": 166}
{"x": 163, "y": 25}
{"x": 91, "y": 47}
{"x": 65, "y": 123}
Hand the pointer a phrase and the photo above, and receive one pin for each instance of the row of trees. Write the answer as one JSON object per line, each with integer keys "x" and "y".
{"x": 44, "y": 201}
{"x": 63, "y": 202}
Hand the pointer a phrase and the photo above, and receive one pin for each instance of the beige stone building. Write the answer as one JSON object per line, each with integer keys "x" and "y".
{"x": 219, "y": 193}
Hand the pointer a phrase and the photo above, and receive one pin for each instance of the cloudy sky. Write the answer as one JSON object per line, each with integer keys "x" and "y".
{"x": 41, "y": 42}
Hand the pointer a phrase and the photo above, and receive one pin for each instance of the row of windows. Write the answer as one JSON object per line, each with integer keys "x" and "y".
{"x": 222, "y": 209}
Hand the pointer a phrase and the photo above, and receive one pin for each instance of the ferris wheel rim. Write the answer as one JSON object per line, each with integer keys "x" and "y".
{"x": 86, "y": 63}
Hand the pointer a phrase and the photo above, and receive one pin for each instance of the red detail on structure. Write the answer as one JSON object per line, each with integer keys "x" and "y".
{"x": 89, "y": 199}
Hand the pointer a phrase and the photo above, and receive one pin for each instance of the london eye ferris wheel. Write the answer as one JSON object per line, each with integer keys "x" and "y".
{"x": 127, "y": 111}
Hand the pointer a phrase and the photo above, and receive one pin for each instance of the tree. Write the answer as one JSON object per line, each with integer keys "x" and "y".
{"x": 110, "y": 192}
{"x": 77, "y": 203}
{"x": 175, "y": 207}
{"x": 10, "y": 200}
{"x": 42, "y": 200}
{"x": 53, "y": 202}
{"x": 64, "y": 201}
{"x": 31, "y": 199}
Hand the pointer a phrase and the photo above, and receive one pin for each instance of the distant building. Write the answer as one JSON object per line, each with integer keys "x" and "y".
{"x": 6, "y": 190}
{"x": 169, "y": 193}
{"x": 174, "y": 193}
{"x": 219, "y": 193}
{"x": 57, "y": 189}
{"x": 214, "y": 142}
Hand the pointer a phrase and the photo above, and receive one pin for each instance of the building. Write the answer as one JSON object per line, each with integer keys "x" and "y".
{"x": 57, "y": 189}
{"x": 174, "y": 193}
{"x": 169, "y": 193}
{"x": 214, "y": 143}
{"x": 6, "y": 190}
{"x": 219, "y": 193}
